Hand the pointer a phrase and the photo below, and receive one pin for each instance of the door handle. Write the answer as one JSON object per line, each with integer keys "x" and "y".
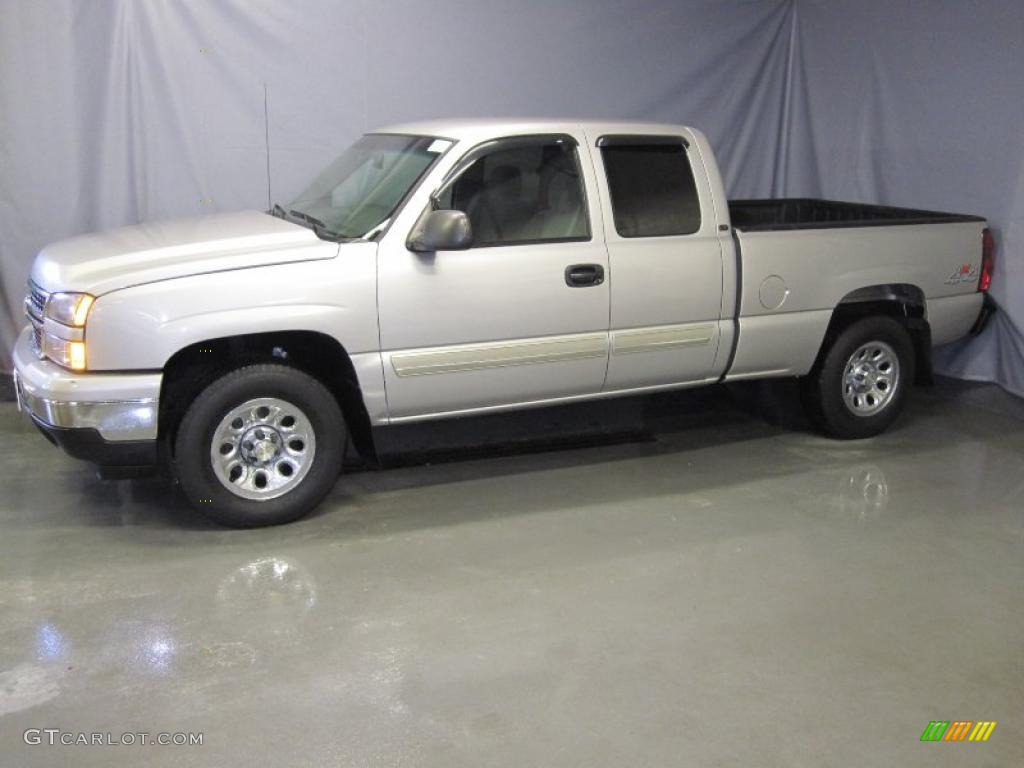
{"x": 583, "y": 275}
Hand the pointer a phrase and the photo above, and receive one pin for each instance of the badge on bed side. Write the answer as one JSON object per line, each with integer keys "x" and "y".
{"x": 965, "y": 273}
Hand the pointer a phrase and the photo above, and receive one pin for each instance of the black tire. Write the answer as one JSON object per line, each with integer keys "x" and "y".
{"x": 194, "y": 463}
{"x": 823, "y": 388}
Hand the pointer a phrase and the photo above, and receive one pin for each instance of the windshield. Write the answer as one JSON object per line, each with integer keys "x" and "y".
{"x": 364, "y": 186}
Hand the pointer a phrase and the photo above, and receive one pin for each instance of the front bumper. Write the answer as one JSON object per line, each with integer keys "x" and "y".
{"x": 106, "y": 418}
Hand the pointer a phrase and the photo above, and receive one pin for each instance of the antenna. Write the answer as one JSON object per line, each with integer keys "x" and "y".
{"x": 266, "y": 137}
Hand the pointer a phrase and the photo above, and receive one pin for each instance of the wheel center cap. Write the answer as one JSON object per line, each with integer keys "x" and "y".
{"x": 260, "y": 445}
{"x": 863, "y": 376}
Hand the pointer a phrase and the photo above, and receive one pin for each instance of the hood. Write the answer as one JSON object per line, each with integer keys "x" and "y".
{"x": 118, "y": 258}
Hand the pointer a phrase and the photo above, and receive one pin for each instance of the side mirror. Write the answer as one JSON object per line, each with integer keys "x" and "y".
{"x": 441, "y": 231}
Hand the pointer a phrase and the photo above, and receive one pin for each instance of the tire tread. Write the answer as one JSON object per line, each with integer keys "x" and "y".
{"x": 821, "y": 388}
{"x": 195, "y": 474}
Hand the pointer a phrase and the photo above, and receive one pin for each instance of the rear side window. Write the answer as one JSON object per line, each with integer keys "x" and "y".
{"x": 652, "y": 188}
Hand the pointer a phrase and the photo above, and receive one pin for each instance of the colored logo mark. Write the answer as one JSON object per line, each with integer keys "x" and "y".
{"x": 958, "y": 730}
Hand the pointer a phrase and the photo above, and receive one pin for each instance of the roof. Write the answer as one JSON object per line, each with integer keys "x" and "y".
{"x": 482, "y": 128}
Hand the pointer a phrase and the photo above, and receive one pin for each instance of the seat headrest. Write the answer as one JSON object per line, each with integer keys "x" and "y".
{"x": 564, "y": 193}
{"x": 505, "y": 181}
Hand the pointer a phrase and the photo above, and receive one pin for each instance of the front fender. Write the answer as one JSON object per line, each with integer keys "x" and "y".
{"x": 141, "y": 327}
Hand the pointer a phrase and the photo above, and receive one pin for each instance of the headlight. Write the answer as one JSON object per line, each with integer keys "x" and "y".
{"x": 69, "y": 308}
{"x": 66, "y": 345}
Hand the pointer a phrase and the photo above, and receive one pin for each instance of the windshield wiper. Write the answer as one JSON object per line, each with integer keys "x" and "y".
{"x": 306, "y": 217}
{"x": 278, "y": 211}
{"x": 322, "y": 231}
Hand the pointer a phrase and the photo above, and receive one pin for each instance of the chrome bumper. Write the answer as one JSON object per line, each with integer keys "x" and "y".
{"x": 119, "y": 406}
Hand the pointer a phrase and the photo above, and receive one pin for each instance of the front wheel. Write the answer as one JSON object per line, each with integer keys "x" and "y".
{"x": 860, "y": 386}
{"x": 261, "y": 445}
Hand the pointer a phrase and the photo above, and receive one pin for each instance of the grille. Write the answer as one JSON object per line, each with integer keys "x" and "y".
{"x": 35, "y": 303}
{"x": 37, "y": 340}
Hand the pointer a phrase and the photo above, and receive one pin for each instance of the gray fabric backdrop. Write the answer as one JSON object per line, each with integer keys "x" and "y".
{"x": 119, "y": 111}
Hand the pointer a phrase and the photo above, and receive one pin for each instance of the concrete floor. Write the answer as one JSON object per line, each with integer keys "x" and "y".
{"x": 692, "y": 579}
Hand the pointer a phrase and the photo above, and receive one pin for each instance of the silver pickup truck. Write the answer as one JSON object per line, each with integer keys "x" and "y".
{"x": 458, "y": 267}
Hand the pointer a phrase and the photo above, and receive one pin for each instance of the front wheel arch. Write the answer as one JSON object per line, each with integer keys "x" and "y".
{"x": 193, "y": 368}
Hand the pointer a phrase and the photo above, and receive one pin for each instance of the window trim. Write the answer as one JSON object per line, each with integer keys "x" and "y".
{"x": 477, "y": 151}
{"x": 640, "y": 140}
{"x": 618, "y": 140}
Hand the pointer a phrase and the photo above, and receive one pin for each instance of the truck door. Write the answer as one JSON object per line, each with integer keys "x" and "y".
{"x": 521, "y": 316}
{"x": 665, "y": 261}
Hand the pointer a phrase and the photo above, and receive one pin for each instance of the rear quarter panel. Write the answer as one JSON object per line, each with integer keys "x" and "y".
{"x": 792, "y": 280}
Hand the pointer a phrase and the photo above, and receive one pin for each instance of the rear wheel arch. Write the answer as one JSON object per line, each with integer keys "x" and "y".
{"x": 860, "y": 386}
{"x": 191, "y": 369}
{"x": 903, "y": 302}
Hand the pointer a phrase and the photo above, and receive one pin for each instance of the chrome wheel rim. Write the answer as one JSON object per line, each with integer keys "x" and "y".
{"x": 871, "y": 378}
{"x": 263, "y": 448}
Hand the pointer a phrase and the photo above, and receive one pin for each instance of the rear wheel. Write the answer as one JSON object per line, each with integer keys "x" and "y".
{"x": 262, "y": 445}
{"x": 860, "y": 385}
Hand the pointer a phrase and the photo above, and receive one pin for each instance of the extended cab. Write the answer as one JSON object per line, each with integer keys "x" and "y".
{"x": 450, "y": 268}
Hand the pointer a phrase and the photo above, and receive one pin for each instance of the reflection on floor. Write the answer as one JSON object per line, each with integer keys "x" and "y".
{"x": 688, "y": 579}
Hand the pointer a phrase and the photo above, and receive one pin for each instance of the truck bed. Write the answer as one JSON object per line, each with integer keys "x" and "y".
{"x": 811, "y": 213}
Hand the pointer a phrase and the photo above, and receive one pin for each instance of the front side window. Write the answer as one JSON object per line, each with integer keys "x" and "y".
{"x": 653, "y": 193}
{"x": 521, "y": 191}
{"x": 363, "y": 187}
